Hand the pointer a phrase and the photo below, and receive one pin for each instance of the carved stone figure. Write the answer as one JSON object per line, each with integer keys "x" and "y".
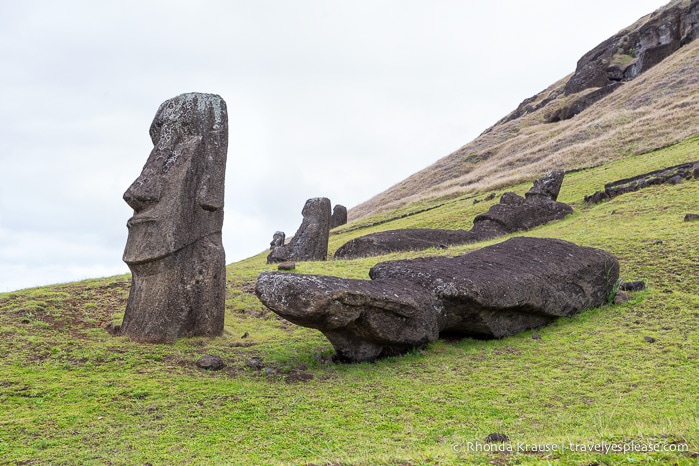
{"x": 278, "y": 239}
{"x": 310, "y": 243}
{"x": 493, "y": 292}
{"x": 512, "y": 213}
{"x": 339, "y": 216}
{"x": 174, "y": 247}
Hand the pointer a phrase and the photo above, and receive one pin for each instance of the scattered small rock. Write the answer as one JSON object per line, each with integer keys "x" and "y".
{"x": 111, "y": 329}
{"x": 649, "y": 339}
{"x": 637, "y": 285}
{"x": 658, "y": 241}
{"x": 269, "y": 371}
{"x": 621, "y": 297}
{"x": 244, "y": 336}
{"x": 210, "y": 362}
{"x": 254, "y": 363}
{"x": 536, "y": 336}
{"x": 287, "y": 266}
{"x": 497, "y": 438}
{"x": 691, "y": 217}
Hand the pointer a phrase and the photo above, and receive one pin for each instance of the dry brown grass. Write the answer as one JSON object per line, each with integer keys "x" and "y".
{"x": 657, "y": 109}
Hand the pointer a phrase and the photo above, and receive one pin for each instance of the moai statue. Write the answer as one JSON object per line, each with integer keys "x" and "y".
{"x": 174, "y": 247}
{"x": 310, "y": 243}
{"x": 278, "y": 239}
{"x": 339, "y": 216}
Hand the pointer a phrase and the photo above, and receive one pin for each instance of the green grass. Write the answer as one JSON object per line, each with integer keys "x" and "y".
{"x": 72, "y": 394}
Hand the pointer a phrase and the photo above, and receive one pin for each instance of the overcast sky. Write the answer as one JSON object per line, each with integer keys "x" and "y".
{"x": 340, "y": 99}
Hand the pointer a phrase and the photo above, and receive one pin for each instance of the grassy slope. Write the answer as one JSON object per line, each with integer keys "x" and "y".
{"x": 71, "y": 393}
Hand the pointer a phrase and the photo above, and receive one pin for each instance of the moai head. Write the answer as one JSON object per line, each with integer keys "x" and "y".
{"x": 178, "y": 198}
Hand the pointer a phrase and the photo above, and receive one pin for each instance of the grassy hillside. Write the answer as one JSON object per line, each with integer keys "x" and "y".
{"x": 656, "y": 109}
{"x": 73, "y": 394}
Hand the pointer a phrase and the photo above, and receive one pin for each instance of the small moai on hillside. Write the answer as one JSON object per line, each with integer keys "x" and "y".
{"x": 310, "y": 243}
{"x": 339, "y": 216}
{"x": 278, "y": 239}
{"x": 174, "y": 247}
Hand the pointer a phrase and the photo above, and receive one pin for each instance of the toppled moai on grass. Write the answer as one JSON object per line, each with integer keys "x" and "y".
{"x": 174, "y": 247}
{"x": 493, "y": 292}
{"x": 669, "y": 175}
{"x": 513, "y": 213}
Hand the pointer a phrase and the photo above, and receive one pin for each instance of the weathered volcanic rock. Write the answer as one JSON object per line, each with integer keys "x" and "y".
{"x": 310, "y": 243}
{"x": 339, "y": 216}
{"x": 634, "y": 50}
{"x": 174, "y": 247}
{"x": 210, "y": 362}
{"x": 494, "y": 292}
{"x": 513, "y": 213}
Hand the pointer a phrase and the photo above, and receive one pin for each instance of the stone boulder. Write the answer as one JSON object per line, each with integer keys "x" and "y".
{"x": 513, "y": 213}
{"x": 339, "y": 216}
{"x": 310, "y": 243}
{"x": 636, "y": 49}
{"x": 494, "y": 292}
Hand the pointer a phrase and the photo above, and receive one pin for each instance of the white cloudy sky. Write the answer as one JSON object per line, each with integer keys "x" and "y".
{"x": 329, "y": 98}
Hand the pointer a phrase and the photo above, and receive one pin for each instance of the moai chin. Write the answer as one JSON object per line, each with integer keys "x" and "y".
{"x": 174, "y": 247}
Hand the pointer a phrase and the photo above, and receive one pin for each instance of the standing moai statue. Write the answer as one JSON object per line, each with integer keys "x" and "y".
{"x": 278, "y": 239}
{"x": 310, "y": 243}
{"x": 339, "y": 216}
{"x": 174, "y": 247}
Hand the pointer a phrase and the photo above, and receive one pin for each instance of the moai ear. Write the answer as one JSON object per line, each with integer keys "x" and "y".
{"x": 211, "y": 190}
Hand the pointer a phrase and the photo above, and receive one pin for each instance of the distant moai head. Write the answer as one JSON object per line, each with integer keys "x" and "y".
{"x": 178, "y": 198}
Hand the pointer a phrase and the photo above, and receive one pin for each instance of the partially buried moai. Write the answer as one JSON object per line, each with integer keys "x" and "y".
{"x": 174, "y": 247}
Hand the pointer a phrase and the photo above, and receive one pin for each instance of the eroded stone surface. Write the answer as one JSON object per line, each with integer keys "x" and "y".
{"x": 494, "y": 292}
{"x": 174, "y": 247}
{"x": 310, "y": 243}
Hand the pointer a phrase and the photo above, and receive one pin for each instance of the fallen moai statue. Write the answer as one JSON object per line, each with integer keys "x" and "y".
{"x": 493, "y": 292}
{"x": 513, "y": 213}
{"x": 310, "y": 243}
{"x": 670, "y": 175}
